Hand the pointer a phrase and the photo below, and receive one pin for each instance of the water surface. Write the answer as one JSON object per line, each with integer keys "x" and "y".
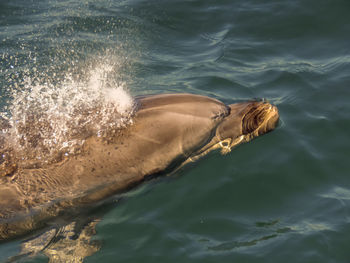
{"x": 283, "y": 197}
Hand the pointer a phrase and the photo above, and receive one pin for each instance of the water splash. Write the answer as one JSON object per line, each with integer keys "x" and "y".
{"x": 45, "y": 119}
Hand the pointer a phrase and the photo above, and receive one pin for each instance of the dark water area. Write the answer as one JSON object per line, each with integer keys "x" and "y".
{"x": 283, "y": 197}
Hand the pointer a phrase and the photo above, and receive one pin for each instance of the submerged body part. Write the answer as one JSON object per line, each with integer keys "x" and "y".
{"x": 167, "y": 131}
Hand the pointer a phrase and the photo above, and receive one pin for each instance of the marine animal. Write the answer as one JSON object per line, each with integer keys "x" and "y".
{"x": 168, "y": 131}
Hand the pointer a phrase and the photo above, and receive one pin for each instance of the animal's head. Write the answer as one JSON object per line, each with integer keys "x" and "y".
{"x": 246, "y": 121}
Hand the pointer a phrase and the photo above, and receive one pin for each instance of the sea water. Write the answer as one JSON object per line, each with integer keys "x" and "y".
{"x": 282, "y": 197}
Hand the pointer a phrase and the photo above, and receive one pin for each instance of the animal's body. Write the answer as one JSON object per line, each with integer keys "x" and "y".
{"x": 167, "y": 132}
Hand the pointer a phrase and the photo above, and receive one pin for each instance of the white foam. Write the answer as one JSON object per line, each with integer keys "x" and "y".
{"x": 47, "y": 117}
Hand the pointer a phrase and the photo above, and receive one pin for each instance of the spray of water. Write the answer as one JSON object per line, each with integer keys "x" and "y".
{"x": 47, "y": 120}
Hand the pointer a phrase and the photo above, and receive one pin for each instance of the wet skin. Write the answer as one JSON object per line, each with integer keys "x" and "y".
{"x": 168, "y": 131}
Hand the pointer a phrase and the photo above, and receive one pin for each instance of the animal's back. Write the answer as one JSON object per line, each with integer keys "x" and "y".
{"x": 167, "y": 129}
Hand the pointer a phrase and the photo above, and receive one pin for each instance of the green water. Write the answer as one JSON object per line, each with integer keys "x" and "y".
{"x": 285, "y": 197}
